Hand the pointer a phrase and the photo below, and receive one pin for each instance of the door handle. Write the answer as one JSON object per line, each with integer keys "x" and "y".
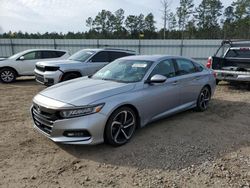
{"x": 174, "y": 83}
{"x": 197, "y": 78}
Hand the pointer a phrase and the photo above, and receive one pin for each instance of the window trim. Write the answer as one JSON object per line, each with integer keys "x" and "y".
{"x": 91, "y": 58}
{"x": 174, "y": 64}
{"x": 177, "y": 71}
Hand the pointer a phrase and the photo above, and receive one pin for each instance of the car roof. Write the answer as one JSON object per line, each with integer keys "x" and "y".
{"x": 109, "y": 49}
{"x": 239, "y": 48}
{"x": 43, "y": 49}
{"x": 151, "y": 57}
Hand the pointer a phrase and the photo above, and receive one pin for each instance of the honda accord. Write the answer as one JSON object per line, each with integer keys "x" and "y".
{"x": 124, "y": 95}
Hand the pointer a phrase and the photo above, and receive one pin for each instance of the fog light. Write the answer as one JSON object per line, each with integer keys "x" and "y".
{"x": 76, "y": 133}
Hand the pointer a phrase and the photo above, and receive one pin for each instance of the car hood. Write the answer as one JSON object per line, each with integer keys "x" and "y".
{"x": 58, "y": 63}
{"x": 84, "y": 91}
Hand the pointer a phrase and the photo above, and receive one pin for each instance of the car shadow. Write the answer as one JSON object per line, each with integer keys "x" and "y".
{"x": 23, "y": 81}
{"x": 240, "y": 86}
{"x": 185, "y": 139}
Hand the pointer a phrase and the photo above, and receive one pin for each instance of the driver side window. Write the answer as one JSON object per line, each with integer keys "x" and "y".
{"x": 165, "y": 68}
{"x": 32, "y": 55}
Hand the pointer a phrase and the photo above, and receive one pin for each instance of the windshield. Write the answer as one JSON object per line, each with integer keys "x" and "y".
{"x": 124, "y": 71}
{"x": 82, "y": 55}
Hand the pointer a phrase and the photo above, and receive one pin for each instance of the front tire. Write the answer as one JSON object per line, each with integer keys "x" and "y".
{"x": 120, "y": 127}
{"x": 203, "y": 99}
{"x": 7, "y": 75}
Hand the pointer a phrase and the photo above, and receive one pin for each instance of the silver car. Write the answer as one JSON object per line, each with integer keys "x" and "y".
{"x": 124, "y": 95}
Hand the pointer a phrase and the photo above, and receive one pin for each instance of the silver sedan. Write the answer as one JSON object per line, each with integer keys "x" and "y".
{"x": 124, "y": 95}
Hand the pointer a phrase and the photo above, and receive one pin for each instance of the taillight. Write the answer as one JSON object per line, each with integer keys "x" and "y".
{"x": 214, "y": 73}
{"x": 209, "y": 62}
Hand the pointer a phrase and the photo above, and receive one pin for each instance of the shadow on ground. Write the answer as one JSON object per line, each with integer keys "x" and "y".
{"x": 188, "y": 138}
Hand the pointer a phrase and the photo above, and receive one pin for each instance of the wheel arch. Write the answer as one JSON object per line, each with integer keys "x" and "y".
{"x": 7, "y": 67}
{"x": 124, "y": 105}
{"x": 209, "y": 87}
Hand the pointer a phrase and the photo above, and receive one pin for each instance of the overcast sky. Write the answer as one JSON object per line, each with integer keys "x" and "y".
{"x": 70, "y": 15}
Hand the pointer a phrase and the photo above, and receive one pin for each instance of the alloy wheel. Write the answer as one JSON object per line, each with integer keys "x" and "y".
{"x": 123, "y": 126}
{"x": 7, "y": 76}
{"x": 204, "y": 98}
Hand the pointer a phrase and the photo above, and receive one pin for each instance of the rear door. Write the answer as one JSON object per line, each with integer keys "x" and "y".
{"x": 190, "y": 80}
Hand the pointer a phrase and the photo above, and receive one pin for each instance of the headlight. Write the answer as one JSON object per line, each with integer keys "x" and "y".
{"x": 81, "y": 111}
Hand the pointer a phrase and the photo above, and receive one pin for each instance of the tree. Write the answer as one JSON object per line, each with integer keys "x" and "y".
{"x": 242, "y": 8}
{"x": 104, "y": 22}
{"x": 89, "y": 22}
{"x": 149, "y": 26}
{"x": 208, "y": 13}
{"x": 183, "y": 13}
{"x": 172, "y": 23}
{"x": 118, "y": 20}
{"x": 165, "y": 4}
{"x": 135, "y": 25}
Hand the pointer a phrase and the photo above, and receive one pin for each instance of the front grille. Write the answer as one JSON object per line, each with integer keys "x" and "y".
{"x": 40, "y": 68}
{"x": 39, "y": 77}
{"x": 43, "y": 118}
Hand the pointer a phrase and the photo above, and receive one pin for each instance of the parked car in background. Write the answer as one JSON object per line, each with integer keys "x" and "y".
{"x": 23, "y": 63}
{"x": 124, "y": 95}
{"x": 83, "y": 63}
{"x": 234, "y": 65}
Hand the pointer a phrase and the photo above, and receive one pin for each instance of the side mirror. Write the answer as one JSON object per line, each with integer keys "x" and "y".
{"x": 21, "y": 58}
{"x": 158, "y": 79}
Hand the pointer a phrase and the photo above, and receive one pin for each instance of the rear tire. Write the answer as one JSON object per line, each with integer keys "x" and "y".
{"x": 7, "y": 75}
{"x": 120, "y": 127}
{"x": 217, "y": 82}
{"x": 70, "y": 76}
{"x": 203, "y": 99}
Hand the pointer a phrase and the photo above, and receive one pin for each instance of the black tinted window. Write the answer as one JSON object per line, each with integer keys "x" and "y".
{"x": 49, "y": 54}
{"x": 185, "y": 66}
{"x": 241, "y": 53}
{"x": 165, "y": 68}
{"x": 115, "y": 55}
{"x": 60, "y": 53}
{"x": 101, "y": 57}
{"x": 198, "y": 67}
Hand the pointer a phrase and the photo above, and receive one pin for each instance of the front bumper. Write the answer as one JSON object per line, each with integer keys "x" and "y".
{"x": 232, "y": 75}
{"x": 48, "y": 78}
{"x": 94, "y": 124}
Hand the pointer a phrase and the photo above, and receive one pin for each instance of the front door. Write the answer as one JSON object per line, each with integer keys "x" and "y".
{"x": 26, "y": 63}
{"x": 162, "y": 97}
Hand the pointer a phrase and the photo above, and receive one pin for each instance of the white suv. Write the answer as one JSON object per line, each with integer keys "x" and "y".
{"x": 23, "y": 63}
{"x": 83, "y": 63}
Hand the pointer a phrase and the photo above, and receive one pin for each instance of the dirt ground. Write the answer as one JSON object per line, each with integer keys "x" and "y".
{"x": 191, "y": 149}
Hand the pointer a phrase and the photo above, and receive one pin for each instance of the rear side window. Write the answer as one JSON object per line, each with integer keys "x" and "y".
{"x": 240, "y": 53}
{"x": 198, "y": 67}
{"x": 101, "y": 57}
{"x": 60, "y": 53}
{"x": 115, "y": 55}
{"x": 185, "y": 67}
{"x": 49, "y": 54}
{"x": 165, "y": 68}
